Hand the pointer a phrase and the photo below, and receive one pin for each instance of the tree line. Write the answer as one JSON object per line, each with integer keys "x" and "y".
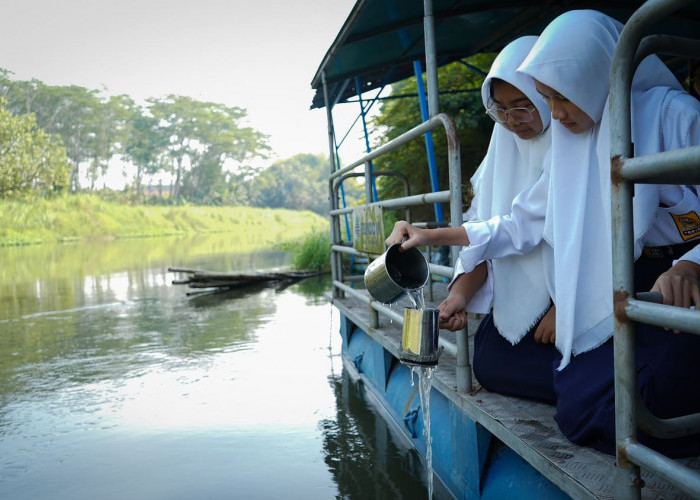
{"x": 62, "y": 138}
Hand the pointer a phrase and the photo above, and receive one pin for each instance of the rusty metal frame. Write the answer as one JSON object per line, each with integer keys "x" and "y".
{"x": 669, "y": 167}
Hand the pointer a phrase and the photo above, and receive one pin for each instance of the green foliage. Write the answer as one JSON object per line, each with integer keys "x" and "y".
{"x": 312, "y": 253}
{"x": 30, "y": 159}
{"x": 87, "y": 217}
{"x": 299, "y": 182}
{"x": 203, "y": 144}
{"x": 460, "y": 98}
{"x": 206, "y": 136}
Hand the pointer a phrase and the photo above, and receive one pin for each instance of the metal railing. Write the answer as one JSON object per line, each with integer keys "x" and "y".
{"x": 674, "y": 167}
{"x": 453, "y": 196}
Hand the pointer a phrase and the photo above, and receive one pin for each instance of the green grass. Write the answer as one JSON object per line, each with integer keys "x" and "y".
{"x": 87, "y": 217}
{"x": 312, "y": 252}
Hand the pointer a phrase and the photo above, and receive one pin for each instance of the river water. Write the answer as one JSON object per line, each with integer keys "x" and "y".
{"x": 115, "y": 383}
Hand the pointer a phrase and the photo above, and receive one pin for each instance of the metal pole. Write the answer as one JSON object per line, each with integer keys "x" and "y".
{"x": 336, "y": 258}
{"x": 368, "y": 149}
{"x": 627, "y": 481}
{"x": 454, "y": 161}
{"x": 430, "y": 57}
{"x": 430, "y": 149}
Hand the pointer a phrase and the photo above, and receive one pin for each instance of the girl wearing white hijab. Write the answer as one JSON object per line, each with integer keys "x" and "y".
{"x": 570, "y": 65}
{"x": 513, "y": 164}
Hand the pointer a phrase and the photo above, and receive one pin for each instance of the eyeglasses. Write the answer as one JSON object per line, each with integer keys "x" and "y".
{"x": 520, "y": 115}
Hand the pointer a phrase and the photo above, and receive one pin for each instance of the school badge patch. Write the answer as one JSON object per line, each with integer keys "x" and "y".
{"x": 688, "y": 225}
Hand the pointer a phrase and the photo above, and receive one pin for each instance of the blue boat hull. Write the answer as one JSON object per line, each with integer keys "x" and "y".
{"x": 467, "y": 458}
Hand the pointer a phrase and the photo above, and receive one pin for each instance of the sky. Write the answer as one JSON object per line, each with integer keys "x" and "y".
{"x": 259, "y": 55}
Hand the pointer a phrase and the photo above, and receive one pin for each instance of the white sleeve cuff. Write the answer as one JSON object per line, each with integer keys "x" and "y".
{"x": 479, "y": 234}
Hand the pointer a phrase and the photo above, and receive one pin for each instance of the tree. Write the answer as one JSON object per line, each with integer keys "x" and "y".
{"x": 144, "y": 144}
{"x": 203, "y": 138}
{"x": 70, "y": 112}
{"x": 299, "y": 182}
{"x": 108, "y": 130}
{"x": 30, "y": 159}
{"x": 203, "y": 144}
{"x": 461, "y": 99}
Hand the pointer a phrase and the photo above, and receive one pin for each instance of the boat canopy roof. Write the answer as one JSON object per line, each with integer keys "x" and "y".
{"x": 380, "y": 39}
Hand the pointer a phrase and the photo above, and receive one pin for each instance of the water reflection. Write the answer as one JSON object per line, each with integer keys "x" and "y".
{"x": 367, "y": 456}
{"x": 116, "y": 384}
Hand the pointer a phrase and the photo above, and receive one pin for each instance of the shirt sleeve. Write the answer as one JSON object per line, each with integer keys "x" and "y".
{"x": 483, "y": 298}
{"x": 504, "y": 235}
{"x": 692, "y": 256}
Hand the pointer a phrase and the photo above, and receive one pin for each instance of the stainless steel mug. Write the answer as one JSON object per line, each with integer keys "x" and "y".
{"x": 389, "y": 276}
{"x": 419, "y": 342}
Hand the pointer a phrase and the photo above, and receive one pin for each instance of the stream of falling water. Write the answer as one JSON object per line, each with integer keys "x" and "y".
{"x": 416, "y": 297}
{"x": 425, "y": 377}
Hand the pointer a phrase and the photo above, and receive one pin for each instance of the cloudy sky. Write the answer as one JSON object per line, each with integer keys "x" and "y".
{"x": 260, "y": 55}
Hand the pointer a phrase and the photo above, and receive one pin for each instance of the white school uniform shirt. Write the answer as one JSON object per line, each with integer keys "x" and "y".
{"x": 511, "y": 166}
{"x": 693, "y": 255}
{"x": 573, "y": 56}
{"x": 678, "y": 221}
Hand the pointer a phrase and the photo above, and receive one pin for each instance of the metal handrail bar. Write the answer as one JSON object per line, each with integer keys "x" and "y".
{"x": 667, "y": 44}
{"x": 684, "y": 478}
{"x": 677, "y": 318}
{"x": 354, "y": 277}
{"x": 406, "y": 201}
{"x": 430, "y": 224}
{"x": 367, "y": 299}
{"x": 444, "y": 271}
{"x": 666, "y": 428}
{"x": 450, "y": 347}
{"x": 630, "y": 455}
{"x": 348, "y": 250}
{"x": 407, "y": 136}
{"x": 679, "y": 166}
{"x": 375, "y": 173}
{"x": 453, "y": 196}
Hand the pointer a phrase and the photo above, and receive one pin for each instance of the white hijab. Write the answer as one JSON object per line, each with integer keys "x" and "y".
{"x": 511, "y": 165}
{"x": 573, "y": 56}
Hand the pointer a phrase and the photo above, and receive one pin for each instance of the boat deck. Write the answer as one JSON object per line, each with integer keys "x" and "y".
{"x": 525, "y": 426}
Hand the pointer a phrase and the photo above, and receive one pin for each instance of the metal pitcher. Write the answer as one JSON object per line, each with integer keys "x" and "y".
{"x": 419, "y": 342}
{"x": 389, "y": 276}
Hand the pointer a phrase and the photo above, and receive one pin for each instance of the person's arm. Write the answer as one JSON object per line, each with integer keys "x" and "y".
{"x": 453, "y": 314}
{"x": 514, "y": 234}
{"x": 411, "y": 236}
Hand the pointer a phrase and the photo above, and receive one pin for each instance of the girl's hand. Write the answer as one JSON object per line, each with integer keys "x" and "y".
{"x": 679, "y": 285}
{"x": 453, "y": 316}
{"x": 546, "y": 332}
{"x": 409, "y": 236}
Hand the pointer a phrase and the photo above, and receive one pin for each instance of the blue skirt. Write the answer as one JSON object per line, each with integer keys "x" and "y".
{"x": 668, "y": 378}
{"x": 524, "y": 369}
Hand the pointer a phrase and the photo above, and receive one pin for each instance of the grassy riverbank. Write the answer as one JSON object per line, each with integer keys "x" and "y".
{"x": 86, "y": 217}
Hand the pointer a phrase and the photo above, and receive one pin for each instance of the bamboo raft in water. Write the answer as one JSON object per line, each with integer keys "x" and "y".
{"x": 200, "y": 278}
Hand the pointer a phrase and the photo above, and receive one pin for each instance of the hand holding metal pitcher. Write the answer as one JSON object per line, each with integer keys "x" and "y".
{"x": 389, "y": 276}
